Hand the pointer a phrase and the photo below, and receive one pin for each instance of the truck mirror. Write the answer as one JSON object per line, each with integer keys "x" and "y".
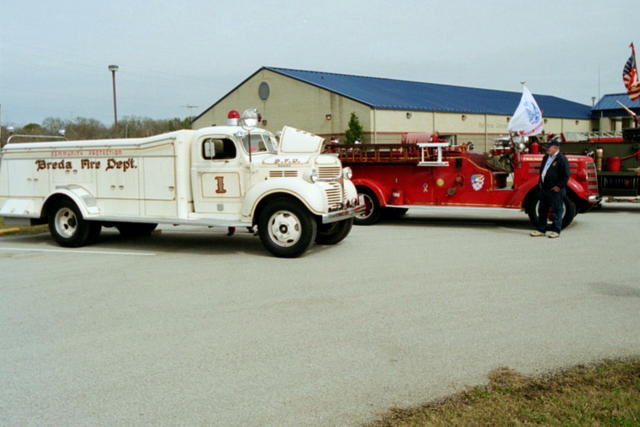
{"x": 209, "y": 150}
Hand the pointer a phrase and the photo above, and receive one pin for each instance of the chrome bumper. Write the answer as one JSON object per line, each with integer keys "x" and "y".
{"x": 344, "y": 213}
{"x": 594, "y": 198}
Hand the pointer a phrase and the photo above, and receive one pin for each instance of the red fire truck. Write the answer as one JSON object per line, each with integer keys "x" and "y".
{"x": 395, "y": 177}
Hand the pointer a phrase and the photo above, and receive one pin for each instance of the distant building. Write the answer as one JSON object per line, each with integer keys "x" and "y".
{"x": 323, "y": 102}
{"x": 609, "y": 116}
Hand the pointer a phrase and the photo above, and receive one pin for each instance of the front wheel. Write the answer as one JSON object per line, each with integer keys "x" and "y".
{"x": 286, "y": 228}
{"x": 68, "y": 228}
{"x": 335, "y": 232}
{"x": 569, "y": 210}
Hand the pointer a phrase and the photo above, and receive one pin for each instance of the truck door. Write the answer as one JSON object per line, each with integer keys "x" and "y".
{"x": 218, "y": 177}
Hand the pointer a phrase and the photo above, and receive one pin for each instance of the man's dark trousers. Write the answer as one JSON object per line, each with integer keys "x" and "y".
{"x": 553, "y": 200}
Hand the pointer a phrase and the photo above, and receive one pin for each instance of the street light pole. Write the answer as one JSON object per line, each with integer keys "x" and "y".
{"x": 113, "y": 69}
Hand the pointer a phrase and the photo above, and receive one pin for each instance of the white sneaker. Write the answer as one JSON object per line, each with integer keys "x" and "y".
{"x": 553, "y": 235}
{"x": 536, "y": 233}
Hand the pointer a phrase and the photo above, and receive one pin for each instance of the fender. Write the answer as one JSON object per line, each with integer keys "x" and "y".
{"x": 350, "y": 191}
{"x": 311, "y": 195}
{"x": 518, "y": 198}
{"x": 81, "y": 197}
{"x": 577, "y": 188}
{"x": 373, "y": 186}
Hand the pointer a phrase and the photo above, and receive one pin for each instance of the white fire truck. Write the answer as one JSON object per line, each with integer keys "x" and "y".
{"x": 230, "y": 176}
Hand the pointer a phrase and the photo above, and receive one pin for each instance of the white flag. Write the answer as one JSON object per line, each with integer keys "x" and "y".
{"x": 527, "y": 120}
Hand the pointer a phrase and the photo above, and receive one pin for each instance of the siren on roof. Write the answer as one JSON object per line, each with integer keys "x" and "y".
{"x": 232, "y": 118}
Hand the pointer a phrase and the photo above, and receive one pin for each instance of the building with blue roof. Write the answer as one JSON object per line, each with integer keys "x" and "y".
{"x": 322, "y": 103}
{"x": 610, "y": 115}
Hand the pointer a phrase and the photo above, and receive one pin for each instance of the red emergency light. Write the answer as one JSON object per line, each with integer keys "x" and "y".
{"x": 233, "y": 117}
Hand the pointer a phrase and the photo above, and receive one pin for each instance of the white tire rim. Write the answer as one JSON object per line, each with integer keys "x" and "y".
{"x": 285, "y": 229}
{"x": 369, "y": 206}
{"x": 66, "y": 222}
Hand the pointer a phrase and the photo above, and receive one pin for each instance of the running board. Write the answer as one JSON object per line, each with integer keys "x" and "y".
{"x": 460, "y": 208}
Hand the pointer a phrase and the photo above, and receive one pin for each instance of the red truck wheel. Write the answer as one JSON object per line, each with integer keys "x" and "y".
{"x": 569, "y": 213}
{"x": 330, "y": 234}
{"x": 372, "y": 212}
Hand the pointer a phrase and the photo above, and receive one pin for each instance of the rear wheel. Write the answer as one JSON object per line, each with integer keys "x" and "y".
{"x": 286, "y": 228}
{"x": 335, "y": 232}
{"x": 135, "y": 229}
{"x": 68, "y": 228}
{"x": 569, "y": 210}
{"x": 372, "y": 211}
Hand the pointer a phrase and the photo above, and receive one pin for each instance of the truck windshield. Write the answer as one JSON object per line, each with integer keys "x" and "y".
{"x": 260, "y": 143}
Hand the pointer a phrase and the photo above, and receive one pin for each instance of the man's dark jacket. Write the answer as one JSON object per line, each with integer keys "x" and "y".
{"x": 557, "y": 174}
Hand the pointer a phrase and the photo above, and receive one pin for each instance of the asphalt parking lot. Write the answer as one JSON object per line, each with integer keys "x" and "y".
{"x": 190, "y": 326}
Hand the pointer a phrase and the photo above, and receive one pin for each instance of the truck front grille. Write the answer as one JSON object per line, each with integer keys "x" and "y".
{"x": 283, "y": 174}
{"x": 334, "y": 196}
{"x": 329, "y": 172}
{"x": 592, "y": 177}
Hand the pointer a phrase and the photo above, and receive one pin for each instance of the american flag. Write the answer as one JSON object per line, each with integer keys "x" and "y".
{"x": 630, "y": 76}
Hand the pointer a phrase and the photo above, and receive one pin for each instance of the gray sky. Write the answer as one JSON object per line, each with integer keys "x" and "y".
{"x": 54, "y": 54}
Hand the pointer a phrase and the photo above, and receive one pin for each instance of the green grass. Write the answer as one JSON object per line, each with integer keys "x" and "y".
{"x": 606, "y": 394}
{"x": 22, "y": 230}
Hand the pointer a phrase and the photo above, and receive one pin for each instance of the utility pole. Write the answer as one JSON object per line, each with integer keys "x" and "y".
{"x": 113, "y": 69}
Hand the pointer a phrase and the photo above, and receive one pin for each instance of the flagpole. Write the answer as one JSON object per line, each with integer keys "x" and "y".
{"x": 516, "y": 151}
{"x": 523, "y": 83}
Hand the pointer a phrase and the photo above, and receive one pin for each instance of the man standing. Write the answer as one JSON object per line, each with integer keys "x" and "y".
{"x": 554, "y": 174}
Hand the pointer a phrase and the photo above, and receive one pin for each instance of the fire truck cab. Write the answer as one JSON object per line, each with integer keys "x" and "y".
{"x": 432, "y": 173}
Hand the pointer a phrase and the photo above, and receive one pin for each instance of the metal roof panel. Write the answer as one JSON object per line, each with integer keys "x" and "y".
{"x": 389, "y": 94}
{"x": 608, "y": 102}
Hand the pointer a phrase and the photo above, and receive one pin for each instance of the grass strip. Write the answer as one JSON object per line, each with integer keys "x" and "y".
{"x": 13, "y": 230}
{"x": 604, "y": 394}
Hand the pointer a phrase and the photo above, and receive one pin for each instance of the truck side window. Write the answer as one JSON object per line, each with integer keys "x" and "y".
{"x": 224, "y": 149}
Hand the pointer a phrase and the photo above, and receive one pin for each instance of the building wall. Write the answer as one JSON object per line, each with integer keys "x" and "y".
{"x": 615, "y": 124}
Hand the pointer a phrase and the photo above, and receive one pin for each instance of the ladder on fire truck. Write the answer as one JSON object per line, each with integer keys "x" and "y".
{"x": 425, "y": 146}
{"x": 428, "y": 154}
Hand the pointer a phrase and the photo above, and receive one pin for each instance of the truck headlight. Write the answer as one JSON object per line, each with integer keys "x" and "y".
{"x": 347, "y": 173}
{"x": 310, "y": 176}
